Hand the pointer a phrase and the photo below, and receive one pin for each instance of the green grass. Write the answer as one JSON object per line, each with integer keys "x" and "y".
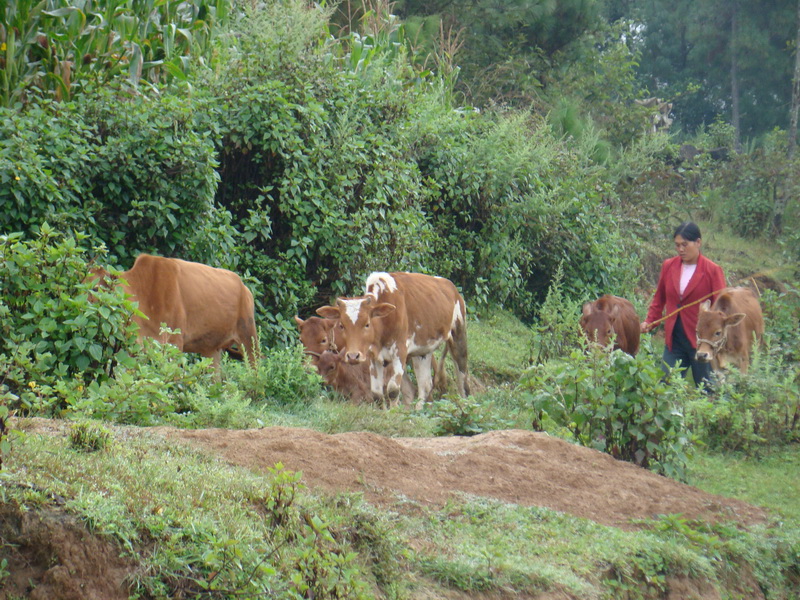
{"x": 772, "y": 482}
{"x": 499, "y": 347}
{"x": 188, "y": 516}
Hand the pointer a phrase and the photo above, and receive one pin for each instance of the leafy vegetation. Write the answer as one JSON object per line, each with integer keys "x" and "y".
{"x": 305, "y": 146}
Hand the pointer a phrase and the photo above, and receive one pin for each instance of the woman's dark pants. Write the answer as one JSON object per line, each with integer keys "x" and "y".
{"x": 682, "y": 352}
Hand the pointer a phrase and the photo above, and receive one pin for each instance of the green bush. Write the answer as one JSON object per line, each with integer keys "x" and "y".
{"x": 129, "y": 171}
{"x": 52, "y": 332}
{"x": 455, "y": 415}
{"x": 161, "y": 381}
{"x": 616, "y": 403}
{"x": 751, "y": 412}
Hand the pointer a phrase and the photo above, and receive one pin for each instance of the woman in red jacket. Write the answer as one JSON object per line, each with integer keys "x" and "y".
{"x": 683, "y": 280}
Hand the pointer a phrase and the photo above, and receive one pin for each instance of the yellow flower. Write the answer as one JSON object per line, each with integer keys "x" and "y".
{"x": 3, "y": 47}
{"x": 17, "y": 177}
{"x": 32, "y": 385}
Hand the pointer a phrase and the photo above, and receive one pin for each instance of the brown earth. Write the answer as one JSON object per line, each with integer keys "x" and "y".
{"x": 531, "y": 469}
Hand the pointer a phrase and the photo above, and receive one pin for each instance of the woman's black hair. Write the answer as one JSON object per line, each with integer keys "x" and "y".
{"x": 688, "y": 231}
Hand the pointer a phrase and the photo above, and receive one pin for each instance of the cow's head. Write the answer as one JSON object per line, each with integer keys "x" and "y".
{"x": 316, "y": 334}
{"x": 712, "y": 330}
{"x": 328, "y": 366}
{"x": 598, "y": 322}
{"x": 357, "y": 325}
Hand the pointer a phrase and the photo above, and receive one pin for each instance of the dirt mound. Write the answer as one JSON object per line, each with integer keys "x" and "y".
{"x": 52, "y": 556}
{"x": 55, "y": 557}
{"x": 530, "y": 469}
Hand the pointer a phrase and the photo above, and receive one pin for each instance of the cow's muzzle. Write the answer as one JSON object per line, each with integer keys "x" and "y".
{"x": 354, "y": 358}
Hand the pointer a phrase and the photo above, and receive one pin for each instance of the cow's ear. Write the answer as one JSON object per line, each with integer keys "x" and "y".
{"x": 614, "y": 311}
{"x": 705, "y": 306}
{"x": 299, "y": 322}
{"x": 587, "y": 309}
{"x": 328, "y": 312}
{"x": 734, "y": 319}
{"x": 382, "y": 309}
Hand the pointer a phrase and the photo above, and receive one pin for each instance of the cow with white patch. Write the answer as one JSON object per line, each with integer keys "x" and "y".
{"x": 403, "y": 316}
{"x": 727, "y": 329}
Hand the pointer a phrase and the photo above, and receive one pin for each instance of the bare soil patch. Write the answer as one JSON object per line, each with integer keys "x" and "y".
{"x": 521, "y": 467}
{"x": 52, "y": 556}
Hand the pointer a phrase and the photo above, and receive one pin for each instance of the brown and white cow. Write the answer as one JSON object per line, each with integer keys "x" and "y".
{"x": 349, "y": 380}
{"x": 612, "y": 316}
{"x": 726, "y": 330}
{"x": 403, "y": 316}
{"x": 212, "y": 308}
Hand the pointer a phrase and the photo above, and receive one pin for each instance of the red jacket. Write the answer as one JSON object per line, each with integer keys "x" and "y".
{"x": 707, "y": 278}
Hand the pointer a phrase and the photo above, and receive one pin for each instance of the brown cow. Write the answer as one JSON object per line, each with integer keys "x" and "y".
{"x": 725, "y": 330}
{"x": 612, "y": 315}
{"x": 349, "y": 380}
{"x": 319, "y": 336}
{"x": 211, "y": 307}
{"x": 402, "y": 316}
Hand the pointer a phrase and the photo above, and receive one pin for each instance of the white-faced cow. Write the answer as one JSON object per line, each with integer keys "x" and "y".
{"x": 212, "y": 308}
{"x": 403, "y": 316}
{"x": 612, "y": 316}
{"x": 726, "y": 330}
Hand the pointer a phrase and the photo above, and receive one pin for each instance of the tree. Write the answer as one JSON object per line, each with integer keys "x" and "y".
{"x": 795, "y": 91}
{"x": 719, "y": 58}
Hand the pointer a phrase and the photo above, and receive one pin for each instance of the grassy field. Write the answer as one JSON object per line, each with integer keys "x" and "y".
{"x": 196, "y": 524}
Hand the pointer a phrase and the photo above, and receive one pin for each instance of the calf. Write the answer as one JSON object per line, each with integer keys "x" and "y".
{"x": 403, "y": 316}
{"x": 612, "y": 316}
{"x": 349, "y": 380}
{"x": 726, "y": 330}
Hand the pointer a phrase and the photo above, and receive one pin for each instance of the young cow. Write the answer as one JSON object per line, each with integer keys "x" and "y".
{"x": 726, "y": 330}
{"x": 403, "y": 316}
{"x": 612, "y": 315}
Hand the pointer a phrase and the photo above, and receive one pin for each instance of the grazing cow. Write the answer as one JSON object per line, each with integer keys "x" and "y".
{"x": 612, "y": 315}
{"x": 349, "y": 380}
{"x": 211, "y": 307}
{"x": 725, "y": 330}
{"x": 402, "y": 316}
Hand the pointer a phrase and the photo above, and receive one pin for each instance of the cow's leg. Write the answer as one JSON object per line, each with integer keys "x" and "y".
{"x": 376, "y": 374}
{"x": 394, "y": 376}
{"x": 458, "y": 349}
{"x": 407, "y": 388}
{"x": 423, "y": 371}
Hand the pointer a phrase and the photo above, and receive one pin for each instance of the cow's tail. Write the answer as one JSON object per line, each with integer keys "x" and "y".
{"x": 440, "y": 373}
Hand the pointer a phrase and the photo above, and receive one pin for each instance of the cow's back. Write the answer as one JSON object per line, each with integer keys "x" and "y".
{"x": 212, "y": 307}
{"x": 426, "y": 305}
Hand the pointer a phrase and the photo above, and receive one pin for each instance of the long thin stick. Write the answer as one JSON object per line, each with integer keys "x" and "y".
{"x": 675, "y": 312}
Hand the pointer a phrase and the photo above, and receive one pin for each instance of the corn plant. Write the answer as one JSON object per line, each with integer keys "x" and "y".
{"x": 56, "y": 48}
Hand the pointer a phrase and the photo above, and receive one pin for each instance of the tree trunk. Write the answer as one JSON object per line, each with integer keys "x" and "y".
{"x": 783, "y": 197}
{"x": 735, "y": 117}
{"x": 795, "y": 91}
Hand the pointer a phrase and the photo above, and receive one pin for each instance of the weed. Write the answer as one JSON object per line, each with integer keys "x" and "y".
{"x": 89, "y": 436}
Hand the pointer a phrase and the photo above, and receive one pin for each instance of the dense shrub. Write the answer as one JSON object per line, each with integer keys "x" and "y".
{"x": 751, "y": 412}
{"x": 129, "y": 171}
{"x": 162, "y": 381}
{"x": 50, "y": 330}
{"x": 615, "y": 403}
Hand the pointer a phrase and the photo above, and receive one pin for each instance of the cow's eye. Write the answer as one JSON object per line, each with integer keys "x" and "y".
{"x": 366, "y": 326}
{"x": 717, "y": 333}
{"x": 324, "y": 341}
